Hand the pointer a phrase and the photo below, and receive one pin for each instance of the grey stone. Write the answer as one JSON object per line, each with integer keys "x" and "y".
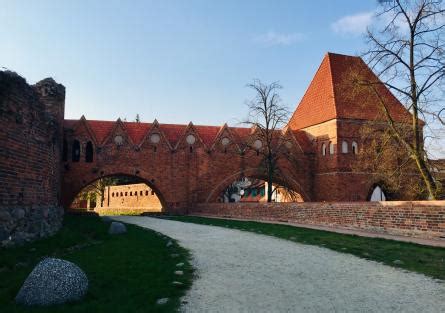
{"x": 20, "y": 238}
{"x": 169, "y": 244}
{"x": 174, "y": 255}
{"x": 180, "y": 264}
{"x": 162, "y": 301}
{"x": 117, "y": 228}
{"x": 177, "y": 283}
{"x": 53, "y": 281}
{"x": 398, "y": 262}
{"x": 4, "y": 234}
{"x": 18, "y": 213}
{"x": 5, "y": 217}
{"x": 179, "y": 273}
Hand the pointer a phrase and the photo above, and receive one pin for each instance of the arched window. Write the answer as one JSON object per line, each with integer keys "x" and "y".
{"x": 323, "y": 149}
{"x": 131, "y": 193}
{"x": 140, "y": 193}
{"x": 146, "y": 192}
{"x": 112, "y": 194}
{"x": 331, "y": 148}
{"x": 121, "y": 194}
{"x": 354, "y": 147}
{"x": 344, "y": 147}
{"x": 65, "y": 150}
{"x": 89, "y": 152}
{"x": 76, "y": 151}
{"x": 378, "y": 194}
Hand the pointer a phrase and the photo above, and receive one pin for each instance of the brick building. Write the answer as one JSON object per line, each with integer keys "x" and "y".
{"x": 45, "y": 161}
{"x": 132, "y": 196}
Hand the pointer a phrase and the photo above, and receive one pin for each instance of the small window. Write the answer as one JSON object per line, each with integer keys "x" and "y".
{"x": 331, "y": 148}
{"x": 140, "y": 193}
{"x": 323, "y": 149}
{"x": 121, "y": 194}
{"x": 112, "y": 194}
{"x": 354, "y": 147}
{"x": 152, "y": 192}
{"x": 131, "y": 193}
{"x": 65, "y": 150}
{"x": 135, "y": 193}
{"x": 76, "y": 151}
{"x": 344, "y": 147}
{"x": 146, "y": 192}
{"x": 126, "y": 193}
{"x": 254, "y": 192}
{"x": 89, "y": 152}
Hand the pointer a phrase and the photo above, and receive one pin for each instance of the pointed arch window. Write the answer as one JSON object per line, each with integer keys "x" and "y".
{"x": 75, "y": 151}
{"x": 323, "y": 149}
{"x": 344, "y": 147}
{"x": 354, "y": 147}
{"x": 378, "y": 194}
{"x": 331, "y": 148}
{"x": 65, "y": 150}
{"x": 89, "y": 152}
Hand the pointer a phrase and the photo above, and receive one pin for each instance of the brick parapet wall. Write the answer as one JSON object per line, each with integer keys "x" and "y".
{"x": 423, "y": 219}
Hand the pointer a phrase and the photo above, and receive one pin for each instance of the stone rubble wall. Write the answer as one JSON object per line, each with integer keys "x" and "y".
{"x": 31, "y": 119}
{"x": 423, "y": 219}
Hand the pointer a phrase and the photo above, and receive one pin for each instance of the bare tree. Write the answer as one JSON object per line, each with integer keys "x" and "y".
{"x": 406, "y": 52}
{"x": 267, "y": 115}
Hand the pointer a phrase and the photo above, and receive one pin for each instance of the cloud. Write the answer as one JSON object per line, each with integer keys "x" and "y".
{"x": 353, "y": 24}
{"x": 272, "y": 38}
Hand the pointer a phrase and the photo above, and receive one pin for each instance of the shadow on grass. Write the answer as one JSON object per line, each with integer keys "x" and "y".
{"x": 413, "y": 257}
{"x": 127, "y": 273}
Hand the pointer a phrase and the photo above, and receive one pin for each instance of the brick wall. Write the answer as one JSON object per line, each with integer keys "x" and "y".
{"x": 131, "y": 196}
{"x": 30, "y": 145}
{"x": 425, "y": 219}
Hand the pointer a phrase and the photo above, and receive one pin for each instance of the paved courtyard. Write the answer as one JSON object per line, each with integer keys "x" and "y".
{"x": 245, "y": 272}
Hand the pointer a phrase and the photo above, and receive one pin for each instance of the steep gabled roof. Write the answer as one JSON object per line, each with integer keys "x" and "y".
{"x": 332, "y": 94}
{"x": 137, "y": 130}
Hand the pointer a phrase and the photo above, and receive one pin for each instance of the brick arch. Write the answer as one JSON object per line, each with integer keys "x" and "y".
{"x": 288, "y": 182}
{"x": 71, "y": 192}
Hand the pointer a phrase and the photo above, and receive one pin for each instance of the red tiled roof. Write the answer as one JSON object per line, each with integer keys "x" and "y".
{"x": 207, "y": 133}
{"x": 101, "y": 129}
{"x": 331, "y": 94}
{"x": 172, "y": 132}
{"x": 136, "y": 130}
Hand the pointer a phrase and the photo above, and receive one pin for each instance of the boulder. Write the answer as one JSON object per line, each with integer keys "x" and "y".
{"x": 53, "y": 281}
{"x": 117, "y": 228}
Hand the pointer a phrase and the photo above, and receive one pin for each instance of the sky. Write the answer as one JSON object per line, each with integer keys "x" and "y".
{"x": 176, "y": 60}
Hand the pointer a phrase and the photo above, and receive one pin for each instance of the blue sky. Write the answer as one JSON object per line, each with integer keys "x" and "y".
{"x": 175, "y": 60}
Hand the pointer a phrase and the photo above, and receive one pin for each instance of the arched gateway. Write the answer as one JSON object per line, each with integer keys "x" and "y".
{"x": 187, "y": 164}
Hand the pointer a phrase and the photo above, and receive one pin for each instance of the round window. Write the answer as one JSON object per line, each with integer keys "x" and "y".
{"x": 258, "y": 144}
{"x": 225, "y": 141}
{"x": 155, "y": 138}
{"x": 119, "y": 140}
{"x": 190, "y": 139}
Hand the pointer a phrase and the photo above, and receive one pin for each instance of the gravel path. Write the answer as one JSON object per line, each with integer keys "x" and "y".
{"x": 246, "y": 272}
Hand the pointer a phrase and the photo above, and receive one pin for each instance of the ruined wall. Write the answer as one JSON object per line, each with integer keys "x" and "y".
{"x": 30, "y": 147}
{"x": 423, "y": 219}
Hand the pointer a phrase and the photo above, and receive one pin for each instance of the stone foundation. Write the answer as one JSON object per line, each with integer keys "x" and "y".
{"x": 19, "y": 224}
{"x": 422, "y": 219}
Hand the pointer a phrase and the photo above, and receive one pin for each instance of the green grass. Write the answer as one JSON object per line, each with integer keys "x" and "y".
{"x": 127, "y": 273}
{"x": 417, "y": 258}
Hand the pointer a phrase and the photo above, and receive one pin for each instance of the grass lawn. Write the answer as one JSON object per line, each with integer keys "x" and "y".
{"x": 417, "y": 258}
{"x": 127, "y": 273}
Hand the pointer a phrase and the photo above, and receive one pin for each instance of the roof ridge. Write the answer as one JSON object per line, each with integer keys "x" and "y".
{"x": 331, "y": 79}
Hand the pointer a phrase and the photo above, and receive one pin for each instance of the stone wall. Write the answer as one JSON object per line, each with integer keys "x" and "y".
{"x": 424, "y": 219}
{"x": 31, "y": 119}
